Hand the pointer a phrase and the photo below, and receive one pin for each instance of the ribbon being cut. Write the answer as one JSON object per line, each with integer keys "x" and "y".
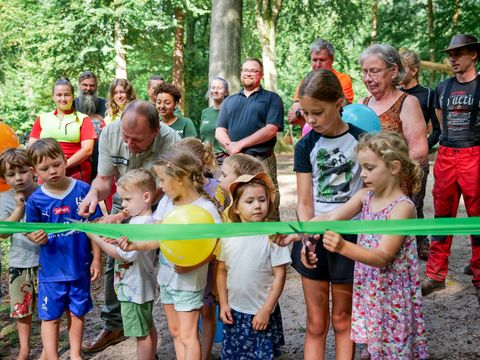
{"x": 145, "y": 232}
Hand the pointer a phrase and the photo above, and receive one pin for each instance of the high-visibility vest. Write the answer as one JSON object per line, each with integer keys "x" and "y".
{"x": 65, "y": 130}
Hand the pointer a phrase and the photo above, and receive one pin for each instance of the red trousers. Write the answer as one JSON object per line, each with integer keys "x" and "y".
{"x": 456, "y": 172}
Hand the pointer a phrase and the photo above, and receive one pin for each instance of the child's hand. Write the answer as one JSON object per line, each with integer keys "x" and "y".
{"x": 113, "y": 219}
{"x": 20, "y": 199}
{"x": 332, "y": 241}
{"x": 260, "y": 320}
{"x": 95, "y": 270}
{"x": 124, "y": 244}
{"x": 39, "y": 237}
{"x": 309, "y": 250}
{"x": 226, "y": 314}
{"x": 110, "y": 240}
{"x": 285, "y": 240}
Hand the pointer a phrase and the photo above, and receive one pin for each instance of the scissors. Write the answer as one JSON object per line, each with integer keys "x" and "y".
{"x": 306, "y": 241}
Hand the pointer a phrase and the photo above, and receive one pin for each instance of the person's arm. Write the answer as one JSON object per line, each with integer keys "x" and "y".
{"x": 86, "y": 150}
{"x": 260, "y": 136}
{"x": 225, "y": 310}
{"x": 305, "y": 209}
{"x": 439, "y": 114}
{"x": 106, "y": 247}
{"x": 16, "y": 215}
{"x": 221, "y": 134}
{"x": 262, "y": 317}
{"x": 190, "y": 129}
{"x": 96, "y": 266}
{"x": 127, "y": 245}
{"x": 414, "y": 129}
{"x": 36, "y": 131}
{"x": 345, "y": 212}
{"x": 100, "y": 189}
{"x": 380, "y": 256}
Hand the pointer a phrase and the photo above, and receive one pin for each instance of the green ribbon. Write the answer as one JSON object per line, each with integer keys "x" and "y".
{"x": 144, "y": 232}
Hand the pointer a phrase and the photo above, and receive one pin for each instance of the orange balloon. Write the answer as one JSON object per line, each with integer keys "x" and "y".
{"x": 8, "y": 140}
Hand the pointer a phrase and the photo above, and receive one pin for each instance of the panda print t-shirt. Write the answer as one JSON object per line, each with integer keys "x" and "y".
{"x": 334, "y": 167}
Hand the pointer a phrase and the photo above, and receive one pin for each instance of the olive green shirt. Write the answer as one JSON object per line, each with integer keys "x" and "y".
{"x": 208, "y": 124}
{"x": 184, "y": 127}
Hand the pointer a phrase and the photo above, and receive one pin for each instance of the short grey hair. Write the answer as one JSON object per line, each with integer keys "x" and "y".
{"x": 320, "y": 44}
{"x": 389, "y": 55}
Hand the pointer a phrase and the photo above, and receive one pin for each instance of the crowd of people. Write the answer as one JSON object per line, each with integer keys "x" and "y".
{"x": 124, "y": 160}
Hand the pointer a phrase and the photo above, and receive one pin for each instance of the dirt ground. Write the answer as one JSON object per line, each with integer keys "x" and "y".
{"x": 452, "y": 315}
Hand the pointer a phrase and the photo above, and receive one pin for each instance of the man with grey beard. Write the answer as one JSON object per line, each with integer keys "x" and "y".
{"x": 95, "y": 107}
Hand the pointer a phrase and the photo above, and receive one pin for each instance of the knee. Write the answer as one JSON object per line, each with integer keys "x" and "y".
{"x": 174, "y": 330}
{"x": 188, "y": 339}
{"x": 317, "y": 327}
{"x": 341, "y": 323}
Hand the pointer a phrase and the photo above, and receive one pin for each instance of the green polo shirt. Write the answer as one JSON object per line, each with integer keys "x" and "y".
{"x": 184, "y": 127}
{"x": 208, "y": 124}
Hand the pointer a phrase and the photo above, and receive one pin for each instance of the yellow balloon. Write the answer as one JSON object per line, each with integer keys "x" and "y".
{"x": 8, "y": 140}
{"x": 188, "y": 252}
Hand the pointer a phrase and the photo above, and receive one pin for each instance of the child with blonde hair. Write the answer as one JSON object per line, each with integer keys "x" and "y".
{"x": 387, "y": 304}
{"x": 134, "y": 278}
{"x": 181, "y": 288}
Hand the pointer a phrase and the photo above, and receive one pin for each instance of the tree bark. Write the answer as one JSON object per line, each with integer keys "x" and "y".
{"x": 267, "y": 12}
{"x": 226, "y": 41}
{"x": 120, "y": 53}
{"x": 374, "y": 22}
{"x": 456, "y": 16}
{"x": 431, "y": 37}
{"x": 178, "y": 73}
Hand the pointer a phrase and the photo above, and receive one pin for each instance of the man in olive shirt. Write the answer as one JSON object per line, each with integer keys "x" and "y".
{"x": 132, "y": 143}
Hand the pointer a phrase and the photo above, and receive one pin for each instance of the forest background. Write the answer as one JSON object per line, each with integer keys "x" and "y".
{"x": 43, "y": 40}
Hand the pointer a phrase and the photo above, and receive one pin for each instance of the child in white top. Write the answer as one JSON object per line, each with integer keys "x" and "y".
{"x": 251, "y": 275}
{"x": 181, "y": 288}
{"x": 134, "y": 278}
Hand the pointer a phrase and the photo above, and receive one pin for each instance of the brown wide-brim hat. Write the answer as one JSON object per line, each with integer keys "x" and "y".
{"x": 462, "y": 40}
{"x": 243, "y": 179}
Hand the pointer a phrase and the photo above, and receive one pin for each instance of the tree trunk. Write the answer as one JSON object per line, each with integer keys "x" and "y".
{"x": 120, "y": 53}
{"x": 226, "y": 41}
{"x": 374, "y": 22}
{"x": 456, "y": 16}
{"x": 178, "y": 74}
{"x": 431, "y": 37}
{"x": 267, "y": 12}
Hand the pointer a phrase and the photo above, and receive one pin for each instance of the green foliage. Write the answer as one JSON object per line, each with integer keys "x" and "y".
{"x": 51, "y": 38}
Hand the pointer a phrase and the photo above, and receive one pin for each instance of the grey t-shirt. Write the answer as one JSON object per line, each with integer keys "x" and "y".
{"x": 459, "y": 108}
{"x": 23, "y": 253}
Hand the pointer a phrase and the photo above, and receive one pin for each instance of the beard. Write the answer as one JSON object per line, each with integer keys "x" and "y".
{"x": 87, "y": 102}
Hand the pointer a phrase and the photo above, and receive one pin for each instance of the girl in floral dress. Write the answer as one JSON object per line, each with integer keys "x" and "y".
{"x": 387, "y": 310}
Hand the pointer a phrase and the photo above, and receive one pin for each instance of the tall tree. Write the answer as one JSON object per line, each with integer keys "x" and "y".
{"x": 178, "y": 71}
{"x": 226, "y": 41}
{"x": 374, "y": 22}
{"x": 267, "y": 12}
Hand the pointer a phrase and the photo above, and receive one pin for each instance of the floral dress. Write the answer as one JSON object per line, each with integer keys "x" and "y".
{"x": 387, "y": 309}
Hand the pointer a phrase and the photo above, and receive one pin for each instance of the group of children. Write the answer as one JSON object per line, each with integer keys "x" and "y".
{"x": 245, "y": 275}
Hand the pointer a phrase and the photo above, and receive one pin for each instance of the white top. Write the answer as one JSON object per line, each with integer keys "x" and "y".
{"x": 134, "y": 278}
{"x": 249, "y": 261}
{"x": 23, "y": 252}
{"x": 194, "y": 280}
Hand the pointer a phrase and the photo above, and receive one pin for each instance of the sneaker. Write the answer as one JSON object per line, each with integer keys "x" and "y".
{"x": 467, "y": 270}
{"x": 430, "y": 285}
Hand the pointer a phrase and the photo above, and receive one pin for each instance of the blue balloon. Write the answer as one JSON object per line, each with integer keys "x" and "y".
{"x": 361, "y": 116}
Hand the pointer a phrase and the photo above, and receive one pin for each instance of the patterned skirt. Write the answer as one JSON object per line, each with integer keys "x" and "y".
{"x": 241, "y": 342}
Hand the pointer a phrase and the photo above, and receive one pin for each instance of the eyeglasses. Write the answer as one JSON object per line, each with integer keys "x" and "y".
{"x": 251, "y": 71}
{"x": 374, "y": 72}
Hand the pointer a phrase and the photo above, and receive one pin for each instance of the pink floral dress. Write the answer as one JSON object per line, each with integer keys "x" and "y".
{"x": 387, "y": 312}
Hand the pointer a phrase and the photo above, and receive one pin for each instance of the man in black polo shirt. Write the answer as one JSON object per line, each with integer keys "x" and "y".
{"x": 248, "y": 122}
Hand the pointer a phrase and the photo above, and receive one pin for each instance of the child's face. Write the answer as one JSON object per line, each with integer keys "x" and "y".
{"x": 375, "y": 173}
{"x": 19, "y": 178}
{"x": 322, "y": 116}
{"x": 134, "y": 201}
{"x": 170, "y": 185}
{"x": 227, "y": 176}
{"x": 52, "y": 170}
{"x": 253, "y": 204}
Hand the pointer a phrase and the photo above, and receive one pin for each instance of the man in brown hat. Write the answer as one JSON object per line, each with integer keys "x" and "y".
{"x": 457, "y": 165}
